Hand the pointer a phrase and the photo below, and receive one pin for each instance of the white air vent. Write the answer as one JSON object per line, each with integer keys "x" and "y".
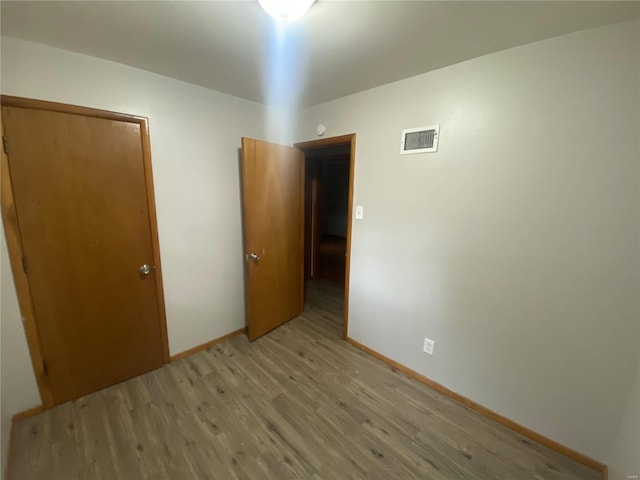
{"x": 420, "y": 140}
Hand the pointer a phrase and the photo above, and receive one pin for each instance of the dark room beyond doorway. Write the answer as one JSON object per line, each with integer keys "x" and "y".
{"x": 327, "y": 205}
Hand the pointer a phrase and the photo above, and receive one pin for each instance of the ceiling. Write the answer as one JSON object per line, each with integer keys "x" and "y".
{"x": 338, "y": 48}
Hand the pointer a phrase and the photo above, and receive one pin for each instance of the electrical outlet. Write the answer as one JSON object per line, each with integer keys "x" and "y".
{"x": 428, "y": 346}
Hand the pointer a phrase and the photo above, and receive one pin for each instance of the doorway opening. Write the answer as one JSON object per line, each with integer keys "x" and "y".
{"x": 328, "y": 206}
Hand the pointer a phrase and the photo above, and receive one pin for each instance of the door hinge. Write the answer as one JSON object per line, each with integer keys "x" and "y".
{"x": 5, "y": 144}
{"x": 45, "y": 369}
{"x": 24, "y": 265}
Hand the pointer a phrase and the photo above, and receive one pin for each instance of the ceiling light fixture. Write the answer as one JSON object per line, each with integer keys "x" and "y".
{"x": 286, "y": 10}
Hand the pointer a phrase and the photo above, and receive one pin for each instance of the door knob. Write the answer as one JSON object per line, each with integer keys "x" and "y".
{"x": 144, "y": 269}
{"x": 253, "y": 256}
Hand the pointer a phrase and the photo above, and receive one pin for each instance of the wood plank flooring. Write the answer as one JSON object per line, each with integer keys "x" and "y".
{"x": 299, "y": 403}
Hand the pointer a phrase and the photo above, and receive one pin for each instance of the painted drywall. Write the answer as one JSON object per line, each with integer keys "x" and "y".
{"x": 19, "y": 390}
{"x": 515, "y": 246}
{"x": 624, "y": 456}
{"x": 195, "y": 137}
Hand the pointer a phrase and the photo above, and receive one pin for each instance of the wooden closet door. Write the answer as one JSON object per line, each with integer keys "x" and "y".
{"x": 85, "y": 227}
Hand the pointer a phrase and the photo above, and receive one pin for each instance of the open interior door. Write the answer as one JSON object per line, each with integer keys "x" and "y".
{"x": 273, "y": 208}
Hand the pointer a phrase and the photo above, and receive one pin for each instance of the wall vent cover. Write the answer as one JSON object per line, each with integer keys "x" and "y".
{"x": 420, "y": 140}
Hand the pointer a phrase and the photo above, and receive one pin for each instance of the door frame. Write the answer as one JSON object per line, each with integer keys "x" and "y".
{"x": 14, "y": 242}
{"x": 348, "y": 139}
{"x": 312, "y": 216}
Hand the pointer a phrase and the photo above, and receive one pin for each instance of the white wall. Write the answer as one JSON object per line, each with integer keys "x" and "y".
{"x": 195, "y": 137}
{"x": 515, "y": 246}
{"x": 624, "y": 457}
{"x": 624, "y": 450}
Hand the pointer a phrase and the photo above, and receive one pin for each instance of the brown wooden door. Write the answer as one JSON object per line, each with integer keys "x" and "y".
{"x": 84, "y": 221}
{"x": 273, "y": 207}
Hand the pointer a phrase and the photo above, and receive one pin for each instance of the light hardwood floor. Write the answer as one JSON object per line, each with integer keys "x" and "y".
{"x": 298, "y": 403}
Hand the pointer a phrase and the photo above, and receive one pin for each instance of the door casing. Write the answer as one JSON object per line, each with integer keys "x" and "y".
{"x": 14, "y": 243}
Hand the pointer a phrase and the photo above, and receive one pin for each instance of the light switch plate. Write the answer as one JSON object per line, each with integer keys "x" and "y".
{"x": 359, "y": 212}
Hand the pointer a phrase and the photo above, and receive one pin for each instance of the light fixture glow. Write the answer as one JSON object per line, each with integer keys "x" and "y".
{"x": 286, "y": 10}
